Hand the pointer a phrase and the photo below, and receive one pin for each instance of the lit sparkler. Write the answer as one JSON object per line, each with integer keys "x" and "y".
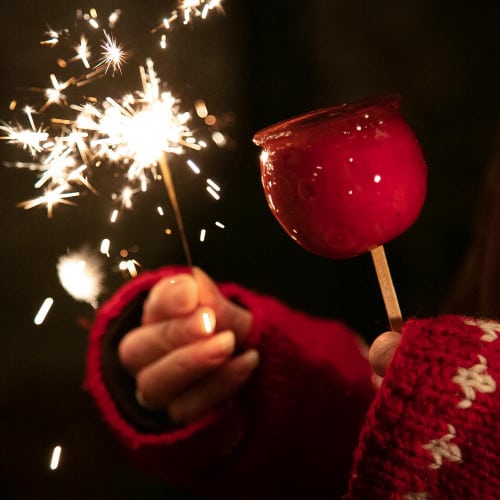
{"x": 138, "y": 132}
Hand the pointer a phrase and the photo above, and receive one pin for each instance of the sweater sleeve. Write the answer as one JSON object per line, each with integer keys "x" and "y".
{"x": 289, "y": 433}
{"x": 433, "y": 428}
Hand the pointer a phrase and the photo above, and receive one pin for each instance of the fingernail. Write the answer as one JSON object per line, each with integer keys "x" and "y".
{"x": 181, "y": 285}
{"x": 251, "y": 359}
{"x": 223, "y": 343}
{"x": 180, "y": 279}
{"x": 208, "y": 321}
{"x": 140, "y": 399}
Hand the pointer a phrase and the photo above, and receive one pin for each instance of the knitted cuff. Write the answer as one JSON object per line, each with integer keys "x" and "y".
{"x": 434, "y": 428}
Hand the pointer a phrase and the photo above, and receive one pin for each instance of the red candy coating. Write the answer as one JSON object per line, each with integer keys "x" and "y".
{"x": 344, "y": 180}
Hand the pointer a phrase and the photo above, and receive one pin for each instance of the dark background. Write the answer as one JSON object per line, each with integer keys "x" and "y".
{"x": 262, "y": 62}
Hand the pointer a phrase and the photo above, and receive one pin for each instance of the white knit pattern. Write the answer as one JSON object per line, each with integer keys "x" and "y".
{"x": 473, "y": 380}
{"x": 443, "y": 449}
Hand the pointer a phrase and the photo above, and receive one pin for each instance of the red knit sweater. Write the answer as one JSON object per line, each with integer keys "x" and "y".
{"x": 292, "y": 432}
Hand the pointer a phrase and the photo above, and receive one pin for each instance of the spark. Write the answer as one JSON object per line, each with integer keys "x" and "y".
{"x": 55, "y": 457}
{"x": 53, "y": 36}
{"x": 219, "y": 224}
{"x": 213, "y": 184}
{"x": 32, "y": 139}
{"x": 213, "y": 193}
{"x": 201, "y": 108}
{"x": 80, "y": 274}
{"x": 219, "y": 138}
{"x": 130, "y": 266}
{"x": 160, "y": 211}
{"x": 83, "y": 52}
{"x": 114, "y": 216}
{"x": 113, "y": 18}
{"x": 43, "y": 311}
{"x": 113, "y": 54}
{"x": 54, "y": 95}
{"x": 203, "y": 234}
{"x": 50, "y": 198}
{"x": 105, "y": 246}
{"x": 126, "y": 197}
{"x": 192, "y": 165}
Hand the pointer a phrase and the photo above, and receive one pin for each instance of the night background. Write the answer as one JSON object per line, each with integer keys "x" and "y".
{"x": 258, "y": 63}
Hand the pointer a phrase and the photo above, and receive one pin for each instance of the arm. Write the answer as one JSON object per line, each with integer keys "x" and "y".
{"x": 286, "y": 430}
{"x": 433, "y": 429}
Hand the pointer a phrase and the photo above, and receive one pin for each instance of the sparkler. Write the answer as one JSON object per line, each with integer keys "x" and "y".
{"x": 137, "y": 131}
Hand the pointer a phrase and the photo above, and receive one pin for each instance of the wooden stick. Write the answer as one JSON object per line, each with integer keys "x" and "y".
{"x": 387, "y": 289}
{"x": 169, "y": 185}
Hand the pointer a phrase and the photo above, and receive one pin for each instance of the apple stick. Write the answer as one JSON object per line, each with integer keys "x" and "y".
{"x": 387, "y": 288}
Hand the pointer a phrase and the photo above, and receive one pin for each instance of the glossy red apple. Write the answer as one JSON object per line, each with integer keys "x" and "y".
{"x": 344, "y": 180}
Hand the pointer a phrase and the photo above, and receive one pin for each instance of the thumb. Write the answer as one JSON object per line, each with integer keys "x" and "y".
{"x": 229, "y": 316}
{"x": 382, "y": 350}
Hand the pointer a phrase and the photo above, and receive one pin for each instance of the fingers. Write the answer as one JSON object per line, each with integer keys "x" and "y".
{"x": 182, "y": 294}
{"x": 382, "y": 350}
{"x": 182, "y": 354}
{"x": 212, "y": 390}
{"x": 148, "y": 343}
{"x": 166, "y": 378}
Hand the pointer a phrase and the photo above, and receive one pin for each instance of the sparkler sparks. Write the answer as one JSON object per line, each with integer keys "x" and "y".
{"x": 134, "y": 131}
{"x": 50, "y": 199}
{"x": 133, "y": 135}
{"x": 186, "y": 11}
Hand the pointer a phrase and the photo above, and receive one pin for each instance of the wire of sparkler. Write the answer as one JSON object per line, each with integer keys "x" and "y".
{"x": 169, "y": 185}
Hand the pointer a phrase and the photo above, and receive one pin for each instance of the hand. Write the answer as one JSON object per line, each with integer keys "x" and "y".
{"x": 381, "y": 352}
{"x": 182, "y": 355}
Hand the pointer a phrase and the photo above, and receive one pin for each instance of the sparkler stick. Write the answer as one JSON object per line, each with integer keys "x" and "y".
{"x": 169, "y": 185}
